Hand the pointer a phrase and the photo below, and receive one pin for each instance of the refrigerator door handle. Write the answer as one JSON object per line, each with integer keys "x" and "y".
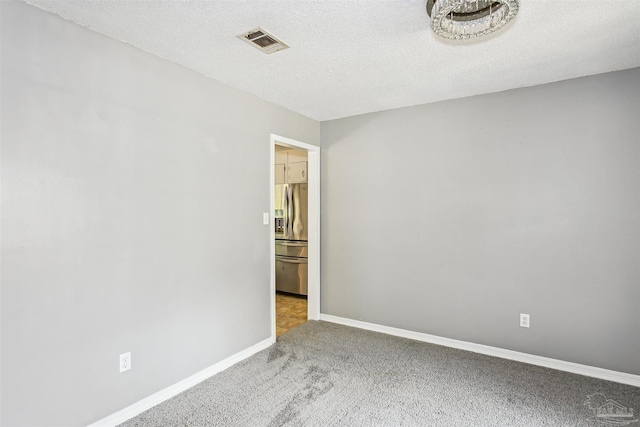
{"x": 291, "y": 260}
{"x": 294, "y": 244}
{"x": 285, "y": 208}
{"x": 290, "y": 211}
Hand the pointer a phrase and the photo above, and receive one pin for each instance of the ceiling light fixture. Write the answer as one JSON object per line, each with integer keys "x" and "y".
{"x": 465, "y": 19}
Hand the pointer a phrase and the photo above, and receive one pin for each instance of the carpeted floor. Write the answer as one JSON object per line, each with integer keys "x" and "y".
{"x": 324, "y": 374}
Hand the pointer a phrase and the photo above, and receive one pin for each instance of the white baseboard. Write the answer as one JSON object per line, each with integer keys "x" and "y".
{"x": 167, "y": 393}
{"x": 576, "y": 368}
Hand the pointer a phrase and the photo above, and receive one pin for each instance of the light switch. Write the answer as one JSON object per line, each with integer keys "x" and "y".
{"x": 265, "y": 218}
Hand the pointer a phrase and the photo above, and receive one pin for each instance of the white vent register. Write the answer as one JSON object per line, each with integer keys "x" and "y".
{"x": 264, "y": 41}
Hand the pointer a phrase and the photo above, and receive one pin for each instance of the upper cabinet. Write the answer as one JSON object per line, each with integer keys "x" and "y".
{"x": 280, "y": 175}
{"x": 291, "y": 166}
{"x": 297, "y": 172}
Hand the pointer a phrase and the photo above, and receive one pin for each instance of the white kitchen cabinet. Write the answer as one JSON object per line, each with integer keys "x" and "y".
{"x": 278, "y": 199}
{"x": 280, "y": 175}
{"x": 281, "y": 157}
{"x": 290, "y": 166}
{"x": 297, "y": 172}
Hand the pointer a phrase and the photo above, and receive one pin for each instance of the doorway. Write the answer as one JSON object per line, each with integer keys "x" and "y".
{"x": 313, "y": 181}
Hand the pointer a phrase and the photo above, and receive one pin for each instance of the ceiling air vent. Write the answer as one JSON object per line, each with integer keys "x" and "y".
{"x": 262, "y": 40}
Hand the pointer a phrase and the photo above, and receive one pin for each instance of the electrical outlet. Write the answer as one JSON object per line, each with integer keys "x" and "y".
{"x": 524, "y": 320}
{"x": 125, "y": 362}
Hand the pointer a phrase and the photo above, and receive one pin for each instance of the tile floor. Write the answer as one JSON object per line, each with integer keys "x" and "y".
{"x": 291, "y": 311}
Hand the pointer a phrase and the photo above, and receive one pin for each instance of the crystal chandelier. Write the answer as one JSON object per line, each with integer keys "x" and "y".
{"x": 465, "y": 19}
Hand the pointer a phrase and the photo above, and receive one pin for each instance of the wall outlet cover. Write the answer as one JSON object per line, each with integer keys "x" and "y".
{"x": 524, "y": 320}
{"x": 125, "y": 362}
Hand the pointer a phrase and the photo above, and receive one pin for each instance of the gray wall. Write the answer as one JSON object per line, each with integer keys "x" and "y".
{"x": 132, "y": 200}
{"x": 452, "y": 218}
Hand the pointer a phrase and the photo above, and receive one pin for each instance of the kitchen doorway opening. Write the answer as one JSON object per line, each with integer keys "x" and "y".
{"x": 296, "y": 240}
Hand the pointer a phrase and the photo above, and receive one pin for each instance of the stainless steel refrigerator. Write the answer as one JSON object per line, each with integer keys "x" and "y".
{"x": 291, "y": 238}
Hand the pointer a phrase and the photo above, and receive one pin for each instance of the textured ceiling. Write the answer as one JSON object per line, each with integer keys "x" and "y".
{"x": 350, "y": 57}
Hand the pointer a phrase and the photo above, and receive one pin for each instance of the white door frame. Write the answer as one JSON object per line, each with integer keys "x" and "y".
{"x": 313, "y": 295}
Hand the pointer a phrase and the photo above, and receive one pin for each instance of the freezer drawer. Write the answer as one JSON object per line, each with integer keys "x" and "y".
{"x": 291, "y": 248}
{"x": 291, "y": 275}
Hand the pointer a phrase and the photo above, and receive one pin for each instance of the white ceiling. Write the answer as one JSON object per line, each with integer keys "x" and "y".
{"x": 350, "y": 57}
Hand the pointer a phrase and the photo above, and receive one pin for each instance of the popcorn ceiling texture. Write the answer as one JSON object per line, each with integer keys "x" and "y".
{"x": 349, "y": 57}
